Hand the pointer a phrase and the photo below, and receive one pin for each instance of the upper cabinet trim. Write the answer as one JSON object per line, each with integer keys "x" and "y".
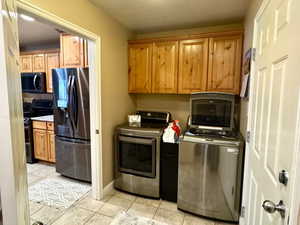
{"x": 238, "y": 32}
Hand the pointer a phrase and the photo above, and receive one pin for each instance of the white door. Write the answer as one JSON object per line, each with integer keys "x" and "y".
{"x": 273, "y": 114}
{"x": 13, "y": 178}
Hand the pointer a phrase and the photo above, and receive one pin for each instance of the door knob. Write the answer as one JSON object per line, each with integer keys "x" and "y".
{"x": 271, "y": 207}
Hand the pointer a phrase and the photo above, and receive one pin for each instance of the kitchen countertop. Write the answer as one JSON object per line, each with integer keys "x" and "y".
{"x": 48, "y": 118}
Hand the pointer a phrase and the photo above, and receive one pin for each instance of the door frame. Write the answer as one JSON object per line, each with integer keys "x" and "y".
{"x": 246, "y": 178}
{"x": 295, "y": 190}
{"x": 94, "y": 54}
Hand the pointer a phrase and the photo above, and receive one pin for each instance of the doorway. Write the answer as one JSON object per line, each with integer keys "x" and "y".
{"x": 95, "y": 112}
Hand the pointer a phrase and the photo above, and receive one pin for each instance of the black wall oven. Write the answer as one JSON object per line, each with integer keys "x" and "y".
{"x": 33, "y": 82}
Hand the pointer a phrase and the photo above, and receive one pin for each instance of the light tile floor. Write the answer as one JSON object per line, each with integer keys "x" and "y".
{"x": 87, "y": 211}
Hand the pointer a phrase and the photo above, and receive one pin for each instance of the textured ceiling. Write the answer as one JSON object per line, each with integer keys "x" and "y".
{"x": 36, "y": 33}
{"x": 158, "y": 15}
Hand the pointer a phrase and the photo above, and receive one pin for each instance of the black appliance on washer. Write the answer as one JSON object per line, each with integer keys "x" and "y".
{"x": 33, "y": 82}
{"x": 137, "y": 154}
{"x": 72, "y": 122}
{"x": 38, "y": 107}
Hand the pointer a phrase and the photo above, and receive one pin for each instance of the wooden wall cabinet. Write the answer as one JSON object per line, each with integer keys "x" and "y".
{"x": 44, "y": 141}
{"x": 193, "y": 63}
{"x": 38, "y": 63}
{"x": 139, "y": 68}
{"x": 183, "y": 65}
{"x": 72, "y": 51}
{"x": 164, "y": 68}
{"x": 26, "y": 63}
{"x": 224, "y": 72}
{"x": 52, "y": 62}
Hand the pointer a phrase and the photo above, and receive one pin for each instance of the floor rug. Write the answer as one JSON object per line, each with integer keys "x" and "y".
{"x": 57, "y": 192}
{"x": 126, "y": 219}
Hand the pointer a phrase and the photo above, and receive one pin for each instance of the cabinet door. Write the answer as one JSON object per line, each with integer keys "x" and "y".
{"x": 165, "y": 64}
{"x": 51, "y": 146}
{"x": 71, "y": 48}
{"x": 52, "y": 62}
{"x": 26, "y": 63}
{"x": 139, "y": 68}
{"x": 38, "y": 62}
{"x": 40, "y": 144}
{"x": 225, "y": 64}
{"x": 193, "y": 63}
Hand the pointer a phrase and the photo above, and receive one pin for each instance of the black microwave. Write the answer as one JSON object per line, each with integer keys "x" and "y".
{"x": 33, "y": 82}
{"x": 213, "y": 111}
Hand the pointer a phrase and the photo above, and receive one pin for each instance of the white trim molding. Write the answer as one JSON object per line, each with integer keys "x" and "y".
{"x": 108, "y": 189}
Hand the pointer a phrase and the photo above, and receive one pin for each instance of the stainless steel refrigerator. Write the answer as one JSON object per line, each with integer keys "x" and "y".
{"x": 72, "y": 122}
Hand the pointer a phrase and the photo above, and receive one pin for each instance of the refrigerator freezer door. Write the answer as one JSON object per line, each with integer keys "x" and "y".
{"x": 80, "y": 104}
{"x": 73, "y": 158}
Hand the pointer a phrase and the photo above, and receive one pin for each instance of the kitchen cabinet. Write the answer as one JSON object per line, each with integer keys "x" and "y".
{"x": 51, "y": 146}
{"x": 44, "y": 141}
{"x": 26, "y": 63}
{"x": 38, "y": 63}
{"x": 40, "y": 144}
{"x": 164, "y": 68}
{"x": 72, "y": 51}
{"x": 186, "y": 64}
{"x": 193, "y": 63}
{"x": 52, "y": 62}
{"x": 139, "y": 71}
{"x": 224, "y": 72}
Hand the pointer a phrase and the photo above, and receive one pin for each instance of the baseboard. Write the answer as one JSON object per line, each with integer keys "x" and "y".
{"x": 108, "y": 189}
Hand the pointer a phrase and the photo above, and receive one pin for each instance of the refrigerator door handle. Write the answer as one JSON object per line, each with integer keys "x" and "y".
{"x": 68, "y": 88}
{"x": 74, "y": 102}
{"x": 71, "y": 105}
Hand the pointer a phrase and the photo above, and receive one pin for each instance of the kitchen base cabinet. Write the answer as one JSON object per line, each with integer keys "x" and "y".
{"x": 40, "y": 144}
{"x": 51, "y": 146}
{"x": 44, "y": 141}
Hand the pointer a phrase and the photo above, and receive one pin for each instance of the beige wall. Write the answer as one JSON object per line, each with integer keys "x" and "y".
{"x": 177, "y": 105}
{"x": 116, "y": 103}
{"x": 249, "y": 28}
